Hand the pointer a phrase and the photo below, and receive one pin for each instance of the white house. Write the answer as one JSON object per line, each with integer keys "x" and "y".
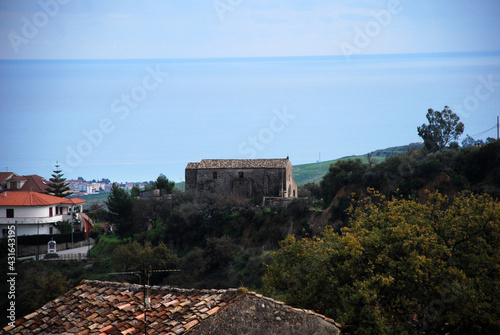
{"x": 34, "y": 213}
{"x": 80, "y": 186}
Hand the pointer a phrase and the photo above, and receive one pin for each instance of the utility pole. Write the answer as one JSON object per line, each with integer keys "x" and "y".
{"x": 498, "y": 127}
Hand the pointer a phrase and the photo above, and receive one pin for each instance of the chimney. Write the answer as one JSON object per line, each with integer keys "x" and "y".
{"x": 5, "y": 193}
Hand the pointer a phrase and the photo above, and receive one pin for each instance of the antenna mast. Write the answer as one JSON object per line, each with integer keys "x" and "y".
{"x": 498, "y": 127}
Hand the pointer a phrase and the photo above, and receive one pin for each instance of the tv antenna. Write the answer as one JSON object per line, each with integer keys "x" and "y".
{"x": 144, "y": 274}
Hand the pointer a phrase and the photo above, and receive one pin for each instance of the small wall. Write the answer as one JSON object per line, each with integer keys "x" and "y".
{"x": 30, "y": 250}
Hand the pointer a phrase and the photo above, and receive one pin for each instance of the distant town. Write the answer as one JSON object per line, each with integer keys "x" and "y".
{"x": 81, "y": 186}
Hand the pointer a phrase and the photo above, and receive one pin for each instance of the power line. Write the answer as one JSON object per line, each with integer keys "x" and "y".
{"x": 485, "y": 131}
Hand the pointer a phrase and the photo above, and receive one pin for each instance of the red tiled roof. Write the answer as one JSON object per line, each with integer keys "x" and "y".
{"x": 239, "y": 163}
{"x": 18, "y": 178}
{"x": 74, "y": 201}
{"x": 21, "y": 198}
{"x": 34, "y": 183}
{"x": 97, "y": 307}
{"x": 6, "y": 175}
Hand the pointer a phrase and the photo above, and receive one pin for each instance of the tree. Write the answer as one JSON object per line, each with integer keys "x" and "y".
{"x": 135, "y": 191}
{"x": 470, "y": 142}
{"x": 120, "y": 210}
{"x": 148, "y": 210}
{"x": 443, "y": 127}
{"x": 402, "y": 267}
{"x": 162, "y": 183}
{"x": 57, "y": 186}
{"x": 340, "y": 174}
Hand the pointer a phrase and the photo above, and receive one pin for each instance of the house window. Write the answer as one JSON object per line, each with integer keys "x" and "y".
{"x": 241, "y": 175}
{"x": 51, "y": 230}
{"x": 50, "y": 211}
{"x": 10, "y": 212}
{"x": 214, "y": 175}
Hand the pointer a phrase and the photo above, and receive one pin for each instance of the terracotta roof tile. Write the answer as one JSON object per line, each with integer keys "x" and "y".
{"x": 239, "y": 163}
{"x": 97, "y": 307}
{"x": 21, "y": 198}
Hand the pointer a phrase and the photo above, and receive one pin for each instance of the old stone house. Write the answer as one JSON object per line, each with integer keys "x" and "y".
{"x": 97, "y": 307}
{"x": 244, "y": 177}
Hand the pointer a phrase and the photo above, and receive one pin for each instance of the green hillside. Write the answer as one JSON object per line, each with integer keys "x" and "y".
{"x": 314, "y": 172}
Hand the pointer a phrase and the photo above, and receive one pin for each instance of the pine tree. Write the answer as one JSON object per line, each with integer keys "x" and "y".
{"x": 57, "y": 186}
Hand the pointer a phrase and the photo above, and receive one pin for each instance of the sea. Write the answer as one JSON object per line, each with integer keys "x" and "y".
{"x": 134, "y": 119}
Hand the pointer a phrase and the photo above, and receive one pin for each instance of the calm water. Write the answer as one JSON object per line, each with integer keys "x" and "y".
{"x": 160, "y": 114}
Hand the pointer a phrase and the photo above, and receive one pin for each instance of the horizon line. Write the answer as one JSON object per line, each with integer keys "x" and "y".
{"x": 257, "y": 58}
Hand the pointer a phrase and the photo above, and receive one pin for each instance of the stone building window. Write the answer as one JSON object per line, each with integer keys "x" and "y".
{"x": 214, "y": 175}
{"x": 241, "y": 175}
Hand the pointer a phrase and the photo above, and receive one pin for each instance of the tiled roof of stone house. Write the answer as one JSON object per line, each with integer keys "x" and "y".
{"x": 239, "y": 163}
{"x": 97, "y": 307}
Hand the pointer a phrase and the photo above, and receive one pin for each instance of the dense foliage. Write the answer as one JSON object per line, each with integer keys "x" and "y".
{"x": 448, "y": 171}
{"x": 402, "y": 266}
{"x": 419, "y": 261}
{"x": 120, "y": 211}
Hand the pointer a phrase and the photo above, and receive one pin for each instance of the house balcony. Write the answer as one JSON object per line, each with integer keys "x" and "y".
{"x": 35, "y": 220}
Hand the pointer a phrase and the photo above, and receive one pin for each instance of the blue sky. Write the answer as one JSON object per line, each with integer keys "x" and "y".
{"x": 115, "y": 29}
{"x": 193, "y": 29}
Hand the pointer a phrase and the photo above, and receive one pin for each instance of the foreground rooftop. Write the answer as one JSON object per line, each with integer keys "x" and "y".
{"x": 98, "y": 307}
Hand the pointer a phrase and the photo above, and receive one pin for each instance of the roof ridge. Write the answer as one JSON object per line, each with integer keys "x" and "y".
{"x": 239, "y": 163}
{"x": 308, "y": 311}
{"x": 153, "y": 288}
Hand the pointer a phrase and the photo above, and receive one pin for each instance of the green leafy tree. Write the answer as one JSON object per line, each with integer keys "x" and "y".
{"x": 134, "y": 257}
{"x": 120, "y": 211}
{"x": 38, "y": 286}
{"x": 57, "y": 185}
{"x": 135, "y": 191}
{"x": 443, "y": 127}
{"x": 340, "y": 174}
{"x": 162, "y": 183}
{"x": 148, "y": 210}
{"x": 470, "y": 142}
{"x": 402, "y": 267}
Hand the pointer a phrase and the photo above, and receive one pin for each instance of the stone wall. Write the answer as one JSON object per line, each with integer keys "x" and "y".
{"x": 244, "y": 182}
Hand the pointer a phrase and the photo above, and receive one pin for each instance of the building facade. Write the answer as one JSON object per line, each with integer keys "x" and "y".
{"x": 35, "y": 213}
{"x": 243, "y": 177}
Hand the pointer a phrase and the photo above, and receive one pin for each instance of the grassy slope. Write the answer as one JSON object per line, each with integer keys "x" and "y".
{"x": 314, "y": 172}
